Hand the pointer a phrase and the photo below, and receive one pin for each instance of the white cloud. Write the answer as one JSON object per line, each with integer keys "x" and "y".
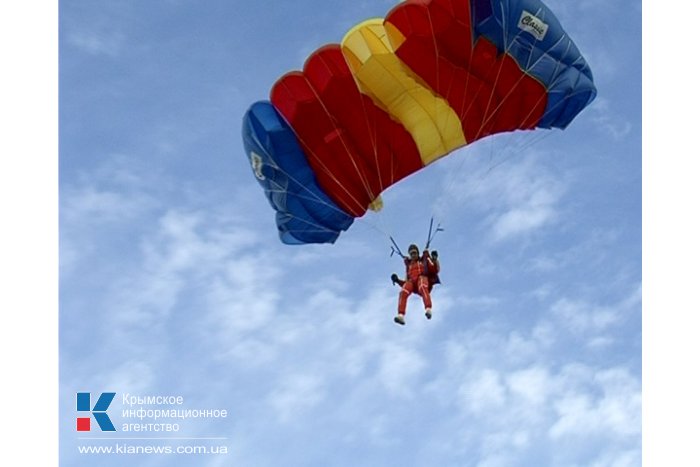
{"x": 91, "y": 204}
{"x": 489, "y": 373}
{"x": 99, "y": 204}
{"x": 619, "y": 458}
{"x": 613, "y": 410}
{"x": 582, "y": 317}
{"x": 261, "y": 315}
{"x": 496, "y": 460}
{"x": 96, "y": 34}
{"x": 592, "y": 320}
{"x": 514, "y": 198}
{"x": 531, "y": 215}
{"x": 181, "y": 251}
{"x": 97, "y": 43}
{"x": 133, "y": 376}
{"x": 483, "y": 392}
{"x": 295, "y": 394}
{"x": 530, "y": 203}
{"x": 532, "y": 384}
{"x": 509, "y": 383}
{"x": 608, "y": 121}
{"x": 337, "y": 350}
{"x": 399, "y": 369}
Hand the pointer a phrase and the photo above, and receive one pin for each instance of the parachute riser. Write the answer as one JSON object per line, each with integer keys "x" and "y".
{"x": 431, "y": 236}
{"x": 395, "y": 248}
{"x": 432, "y": 233}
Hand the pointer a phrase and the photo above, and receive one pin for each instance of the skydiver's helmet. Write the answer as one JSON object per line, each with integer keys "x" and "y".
{"x": 413, "y": 247}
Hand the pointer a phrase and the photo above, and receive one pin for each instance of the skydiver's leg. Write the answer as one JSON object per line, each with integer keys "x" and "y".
{"x": 406, "y": 290}
{"x": 424, "y": 292}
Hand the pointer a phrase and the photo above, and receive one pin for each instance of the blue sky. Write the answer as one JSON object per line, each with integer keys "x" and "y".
{"x": 173, "y": 282}
{"x": 172, "y": 276}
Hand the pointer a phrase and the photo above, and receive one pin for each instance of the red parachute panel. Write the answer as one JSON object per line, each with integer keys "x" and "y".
{"x": 353, "y": 146}
{"x": 488, "y": 90}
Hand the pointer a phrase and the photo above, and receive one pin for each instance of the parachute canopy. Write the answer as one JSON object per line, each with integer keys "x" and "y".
{"x": 397, "y": 94}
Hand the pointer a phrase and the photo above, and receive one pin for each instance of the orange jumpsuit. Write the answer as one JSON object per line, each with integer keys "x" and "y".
{"x": 417, "y": 281}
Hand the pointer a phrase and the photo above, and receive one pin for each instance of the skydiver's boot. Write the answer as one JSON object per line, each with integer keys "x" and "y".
{"x": 429, "y": 313}
{"x": 399, "y": 319}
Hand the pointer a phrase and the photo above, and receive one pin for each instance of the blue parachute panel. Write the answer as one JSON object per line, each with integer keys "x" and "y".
{"x": 305, "y": 214}
{"x": 529, "y": 32}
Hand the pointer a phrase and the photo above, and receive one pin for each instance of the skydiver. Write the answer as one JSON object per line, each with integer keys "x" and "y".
{"x": 433, "y": 277}
{"x": 421, "y": 275}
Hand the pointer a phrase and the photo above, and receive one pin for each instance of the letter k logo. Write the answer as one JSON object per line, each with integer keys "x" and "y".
{"x": 99, "y": 411}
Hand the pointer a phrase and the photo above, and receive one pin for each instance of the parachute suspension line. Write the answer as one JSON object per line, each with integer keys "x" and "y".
{"x": 487, "y": 118}
{"x": 327, "y": 171}
{"x": 568, "y": 47}
{"x": 539, "y": 136}
{"x": 314, "y": 197}
{"x": 373, "y": 132}
{"x": 372, "y": 226}
{"x": 515, "y": 151}
{"x": 360, "y": 174}
{"x": 372, "y": 129}
{"x": 325, "y": 168}
{"x": 493, "y": 88}
{"x": 436, "y": 49}
{"x": 440, "y": 121}
{"x": 511, "y": 136}
{"x": 463, "y": 113}
{"x": 461, "y": 116}
{"x": 512, "y": 89}
{"x": 528, "y": 66}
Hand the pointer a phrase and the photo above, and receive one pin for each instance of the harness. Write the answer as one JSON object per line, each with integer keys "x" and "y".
{"x": 425, "y": 271}
{"x": 424, "y": 267}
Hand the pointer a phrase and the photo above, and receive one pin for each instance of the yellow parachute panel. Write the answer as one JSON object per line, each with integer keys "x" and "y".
{"x": 381, "y": 75}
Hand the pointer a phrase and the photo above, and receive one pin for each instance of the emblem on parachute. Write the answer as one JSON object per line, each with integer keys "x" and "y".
{"x": 257, "y": 163}
{"x": 532, "y": 24}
